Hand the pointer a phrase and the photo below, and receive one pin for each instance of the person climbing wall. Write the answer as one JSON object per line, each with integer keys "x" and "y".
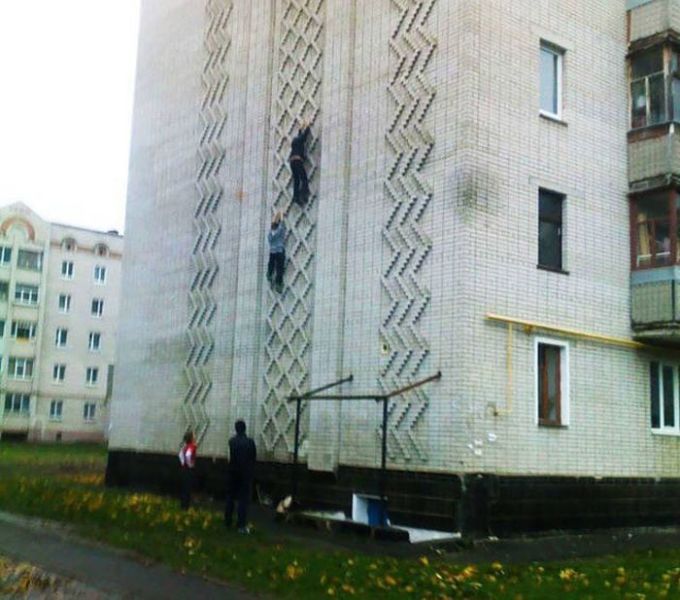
{"x": 277, "y": 251}
{"x": 297, "y": 165}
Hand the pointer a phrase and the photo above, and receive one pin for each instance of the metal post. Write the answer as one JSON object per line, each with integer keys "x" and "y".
{"x": 383, "y": 463}
{"x": 298, "y": 408}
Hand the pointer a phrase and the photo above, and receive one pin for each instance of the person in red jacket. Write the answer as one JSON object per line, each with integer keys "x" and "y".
{"x": 187, "y": 460}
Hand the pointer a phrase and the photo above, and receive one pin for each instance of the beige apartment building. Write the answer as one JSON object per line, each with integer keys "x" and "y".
{"x": 59, "y": 296}
{"x": 494, "y": 196}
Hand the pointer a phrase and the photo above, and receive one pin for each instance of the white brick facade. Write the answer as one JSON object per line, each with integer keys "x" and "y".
{"x": 491, "y": 153}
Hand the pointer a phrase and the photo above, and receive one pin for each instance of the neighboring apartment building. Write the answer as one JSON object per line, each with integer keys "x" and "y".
{"x": 493, "y": 196}
{"x": 59, "y": 295}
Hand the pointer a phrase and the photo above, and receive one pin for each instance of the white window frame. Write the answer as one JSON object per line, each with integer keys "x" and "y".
{"x": 663, "y": 429}
{"x": 26, "y": 298}
{"x": 90, "y": 412}
{"x": 32, "y": 329}
{"x": 58, "y": 373}
{"x": 25, "y": 361}
{"x": 70, "y": 269}
{"x": 67, "y": 304}
{"x": 58, "y": 337}
{"x": 91, "y": 338}
{"x": 56, "y": 415}
{"x": 4, "y": 259}
{"x": 100, "y": 305}
{"x": 565, "y": 413}
{"x": 559, "y": 52}
{"x": 20, "y": 397}
{"x": 89, "y": 373}
{"x": 100, "y": 270}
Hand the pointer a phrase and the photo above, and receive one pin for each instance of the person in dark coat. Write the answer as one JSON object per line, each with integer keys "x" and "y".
{"x": 297, "y": 165}
{"x": 242, "y": 455}
{"x": 277, "y": 252}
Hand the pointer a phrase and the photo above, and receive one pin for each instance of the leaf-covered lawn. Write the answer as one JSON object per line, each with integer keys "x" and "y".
{"x": 65, "y": 483}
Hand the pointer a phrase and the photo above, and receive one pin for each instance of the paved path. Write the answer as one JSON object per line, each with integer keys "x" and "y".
{"x": 112, "y": 572}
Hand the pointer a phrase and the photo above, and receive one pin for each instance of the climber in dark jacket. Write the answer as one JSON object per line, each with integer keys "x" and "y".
{"x": 242, "y": 454}
{"x": 297, "y": 165}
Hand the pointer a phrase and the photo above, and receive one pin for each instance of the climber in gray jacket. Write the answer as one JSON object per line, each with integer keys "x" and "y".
{"x": 277, "y": 251}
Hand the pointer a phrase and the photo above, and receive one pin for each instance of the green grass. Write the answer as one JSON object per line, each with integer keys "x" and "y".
{"x": 65, "y": 483}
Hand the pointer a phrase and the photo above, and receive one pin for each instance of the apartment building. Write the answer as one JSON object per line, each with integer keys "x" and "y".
{"x": 493, "y": 197}
{"x": 59, "y": 295}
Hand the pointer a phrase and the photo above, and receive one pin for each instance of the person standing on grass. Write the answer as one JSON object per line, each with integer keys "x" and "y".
{"x": 242, "y": 454}
{"x": 187, "y": 460}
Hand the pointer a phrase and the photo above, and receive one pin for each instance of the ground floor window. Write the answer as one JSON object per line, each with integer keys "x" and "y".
{"x": 89, "y": 411}
{"x": 552, "y": 383}
{"x": 664, "y": 396}
{"x": 56, "y": 409}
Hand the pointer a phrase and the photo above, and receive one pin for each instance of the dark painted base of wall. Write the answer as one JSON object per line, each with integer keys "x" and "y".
{"x": 474, "y": 504}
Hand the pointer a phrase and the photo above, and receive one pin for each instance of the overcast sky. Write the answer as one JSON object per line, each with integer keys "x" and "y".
{"x": 66, "y": 90}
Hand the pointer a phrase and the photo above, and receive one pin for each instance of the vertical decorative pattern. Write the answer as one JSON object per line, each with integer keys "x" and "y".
{"x": 289, "y": 315}
{"x": 207, "y": 227}
{"x": 408, "y": 246}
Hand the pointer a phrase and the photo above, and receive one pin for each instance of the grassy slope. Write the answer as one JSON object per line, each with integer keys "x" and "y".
{"x": 65, "y": 483}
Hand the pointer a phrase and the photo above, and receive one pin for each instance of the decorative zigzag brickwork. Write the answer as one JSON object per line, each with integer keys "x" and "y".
{"x": 408, "y": 246}
{"x": 289, "y": 315}
{"x": 207, "y": 227}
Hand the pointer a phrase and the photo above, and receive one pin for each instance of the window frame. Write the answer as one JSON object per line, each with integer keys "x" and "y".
{"x": 24, "y": 267}
{"x": 100, "y": 304}
{"x": 12, "y": 373}
{"x": 92, "y": 336}
{"x": 56, "y": 415}
{"x": 68, "y": 273}
{"x": 5, "y": 256}
{"x": 90, "y": 412}
{"x": 67, "y": 304}
{"x": 24, "y": 404}
{"x": 99, "y": 270}
{"x": 26, "y": 299}
{"x": 672, "y": 201}
{"x": 58, "y": 343}
{"x": 664, "y": 429}
{"x": 32, "y": 329}
{"x": 58, "y": 373}
{"x": 91, "y": 376}
{"x": 562, "y": 198}
{"x": 559, "y": 52}
{"x": 565, "y": 404}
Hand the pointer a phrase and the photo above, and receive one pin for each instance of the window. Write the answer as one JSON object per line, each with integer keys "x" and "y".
{"x": 29, "y": 260}
{"x": 64, "y": 303}
{"x": 95, "y": 341}
{"x": 550, "y": 229}
{"x": 664, "y": 397}
{"x": 58, "y": 373}
{"x": 5, "y": 255}
{"x": 56, "y": 409}
{"x": 100, "y": 274}
{"x": 648, "y": 88}
{"x": 2, "y": 327}
{"x": 653, "y": 239}
{"x": 91, "y": 375}
{"x": 552, "y": 382}
{"x": 97, "y": 307}
{"x": 61, "y": 337}
{"x": 67, "y": 269}
{"x": 23, "y": 330}
{"x": 4, "y": 290}
{"x": 551, "y": 80}
{"x": 89, "y": 411}
{"x": 18, "y": 404}
{"x": 68, "y": 245}
{"x": 20, "y": 368}
{"x": 101, "y": 250}
{"x": 26, "y": 294}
